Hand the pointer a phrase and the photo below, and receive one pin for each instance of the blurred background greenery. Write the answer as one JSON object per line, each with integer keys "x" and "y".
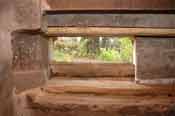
{"x": 92, "y": 49}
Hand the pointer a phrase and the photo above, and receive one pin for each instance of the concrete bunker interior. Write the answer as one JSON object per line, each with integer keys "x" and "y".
{"x": 143, "y": 88}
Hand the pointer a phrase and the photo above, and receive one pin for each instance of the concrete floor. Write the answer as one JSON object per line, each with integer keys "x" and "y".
{"x": 96, "y": 97}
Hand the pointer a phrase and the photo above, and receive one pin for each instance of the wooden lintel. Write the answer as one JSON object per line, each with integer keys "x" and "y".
{"x": 105, "y": 31}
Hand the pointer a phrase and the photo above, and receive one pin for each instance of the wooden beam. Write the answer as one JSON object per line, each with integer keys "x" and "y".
{"x": 105, "y": 31}
{"x": 110, "y": 4}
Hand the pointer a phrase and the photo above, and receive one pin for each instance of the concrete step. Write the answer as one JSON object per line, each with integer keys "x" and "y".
{"x": 37, "y": 102}
{"x": 106, "y": 87}
{"x": 96, "y": 97}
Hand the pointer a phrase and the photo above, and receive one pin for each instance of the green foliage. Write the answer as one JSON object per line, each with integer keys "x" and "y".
{"x": 120, "y": 50}
{"x": 124, "y": 54}
{"x": 108, "y": 55}
{"x": 126, "y": 49}
{"x": 82, "y": 49}
{"x": 60, "y": 56}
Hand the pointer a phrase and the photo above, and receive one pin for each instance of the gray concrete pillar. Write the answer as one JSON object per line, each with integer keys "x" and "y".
{"x": 30, "y": 59}
{"x": 14, "y": 14}
{"x": 155, "y": 60}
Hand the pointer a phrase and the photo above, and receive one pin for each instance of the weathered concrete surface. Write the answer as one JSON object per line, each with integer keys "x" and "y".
{"x": 30, "y": 59}
{"x": 39, "y": 103}
{"x": 110, "y": 20}
{"x": 24, "y": 80}
{"x": 111, "y": 4}
{"x": 6, "y": 17}
{"x": 106, "y": 87}
{"x": 14, "y": 14}
{"x": 27, "y": 14}
{"x": 92, "y": 69}
{"x": 155, "y": 59}
{"x": 28, "y": 51}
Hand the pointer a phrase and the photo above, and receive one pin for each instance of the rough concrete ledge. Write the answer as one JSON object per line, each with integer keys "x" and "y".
{"x": 170, "y": 81}
{"x": 38, "y": 103}
{"x": 93, "y": 69}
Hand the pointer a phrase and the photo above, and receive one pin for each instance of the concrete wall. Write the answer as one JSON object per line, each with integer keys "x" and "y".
{"x": 6, "y": 26}
{"x": 27, "y": 51}
{"x": 14, "y": 14}
{"x": 30, "y": 48}
{"x": 155, "y": 60}
{"x": 94, "y": 70}
{"x": 30, "y": 59}
{"x": 27, "y": 14}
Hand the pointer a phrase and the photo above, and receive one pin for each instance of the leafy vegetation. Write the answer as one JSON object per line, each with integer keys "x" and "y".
{"x": 109, "y": 55}
{"x": 96, "y": 49}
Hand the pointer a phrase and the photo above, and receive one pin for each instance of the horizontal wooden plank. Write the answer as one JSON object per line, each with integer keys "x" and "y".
{"x": 110, "y": 4}
{"x": 97, "y": 31}
{"x": 110, "y": 20}
{"x": 93, "y": 69}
